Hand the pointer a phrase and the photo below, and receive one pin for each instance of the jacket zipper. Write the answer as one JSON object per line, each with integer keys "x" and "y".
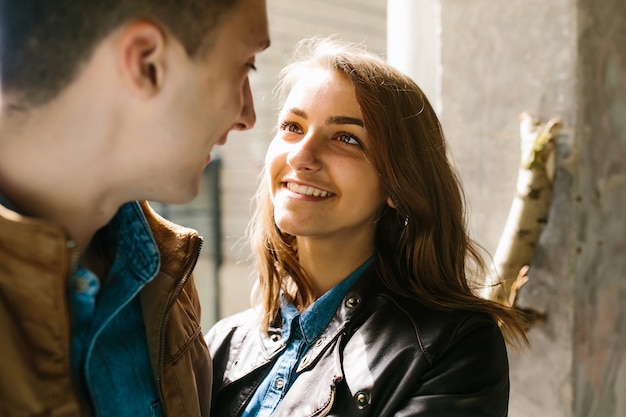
{"x": 187, "y": 273}
{"x": 74, "y": 257}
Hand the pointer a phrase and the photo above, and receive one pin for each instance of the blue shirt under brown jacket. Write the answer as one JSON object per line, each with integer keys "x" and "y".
{"x": 132, "y": 346}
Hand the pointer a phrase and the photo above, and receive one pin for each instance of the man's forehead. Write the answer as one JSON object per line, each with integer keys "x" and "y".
{"x": 255, "y": 22}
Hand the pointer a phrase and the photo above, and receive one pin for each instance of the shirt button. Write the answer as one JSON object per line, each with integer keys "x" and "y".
{"x": 81, "y": 284}
{"x": 279, "y": 383}
{"x": 319, "y": 342}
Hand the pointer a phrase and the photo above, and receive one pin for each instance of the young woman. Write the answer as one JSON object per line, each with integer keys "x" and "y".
{"x": 364, "y": 263}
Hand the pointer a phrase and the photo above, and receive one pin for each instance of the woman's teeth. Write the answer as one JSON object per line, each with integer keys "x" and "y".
{"x": 306, "y": 190}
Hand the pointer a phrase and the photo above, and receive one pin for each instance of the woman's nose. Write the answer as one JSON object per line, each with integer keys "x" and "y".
{"x": 305, "y": 154}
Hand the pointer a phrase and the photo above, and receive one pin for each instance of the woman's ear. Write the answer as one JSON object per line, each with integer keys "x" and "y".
{"x": 391, "y": 203}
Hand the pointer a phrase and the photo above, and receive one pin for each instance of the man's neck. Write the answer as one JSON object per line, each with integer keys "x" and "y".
{"x": 57, "y": 174}
{"x": 81, "y": 219}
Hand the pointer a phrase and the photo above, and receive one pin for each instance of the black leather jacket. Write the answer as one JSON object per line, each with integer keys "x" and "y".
{"x": 378, "y": 356}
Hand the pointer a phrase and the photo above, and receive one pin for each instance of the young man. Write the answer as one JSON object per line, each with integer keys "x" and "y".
{"x": 106, "y": 103}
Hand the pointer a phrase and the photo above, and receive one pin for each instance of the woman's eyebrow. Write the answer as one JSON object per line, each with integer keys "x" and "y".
{"x": 344, "y": 120}
{"x": 332, "y": 120}
{"x": 298, "y": 112}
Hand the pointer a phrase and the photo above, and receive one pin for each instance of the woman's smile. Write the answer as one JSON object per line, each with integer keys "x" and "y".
{"x": 307, "y": 190}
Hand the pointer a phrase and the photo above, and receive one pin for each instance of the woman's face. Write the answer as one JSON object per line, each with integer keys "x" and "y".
{"x": 321, "y": 181}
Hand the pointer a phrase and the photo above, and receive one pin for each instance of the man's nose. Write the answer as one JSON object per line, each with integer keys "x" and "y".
{"x": 247, "y": 117}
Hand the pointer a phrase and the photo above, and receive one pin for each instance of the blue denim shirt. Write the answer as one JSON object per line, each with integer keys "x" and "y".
{"x": 110, "y": 358}
{"x": 6, "y": 203}
{"x": 299, "y": 333}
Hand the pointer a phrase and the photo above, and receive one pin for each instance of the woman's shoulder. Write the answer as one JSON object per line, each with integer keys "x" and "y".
{"x": 233, "y": 326}
{"x": 410, "y": 324}
{"x": 435, "y": 331}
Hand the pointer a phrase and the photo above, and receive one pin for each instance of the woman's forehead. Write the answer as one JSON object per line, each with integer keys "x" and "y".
{"x": 323, "y": 88}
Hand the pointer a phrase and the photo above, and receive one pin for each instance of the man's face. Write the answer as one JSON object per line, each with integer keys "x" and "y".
{"x": 208, "y": 99}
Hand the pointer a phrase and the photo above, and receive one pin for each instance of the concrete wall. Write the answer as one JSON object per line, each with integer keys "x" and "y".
{"x": 560, "y": 58}
{"x": 499, "y": 59}
{"x": 599, "y": 268}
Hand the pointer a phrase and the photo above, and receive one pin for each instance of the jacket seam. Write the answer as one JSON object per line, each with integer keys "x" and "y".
{"x": 415, "y": 328}
{"x": 181, "y": 351}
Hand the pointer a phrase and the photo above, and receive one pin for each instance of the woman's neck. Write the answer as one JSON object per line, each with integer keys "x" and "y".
{"x": 329, "y": 263}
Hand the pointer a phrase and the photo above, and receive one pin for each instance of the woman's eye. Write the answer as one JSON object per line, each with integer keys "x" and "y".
{"x": 349, "y": 139}
{"x": 290, "y": 127}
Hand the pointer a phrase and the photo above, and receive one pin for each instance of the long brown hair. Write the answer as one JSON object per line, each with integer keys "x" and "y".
{"x": 423, "y": 248}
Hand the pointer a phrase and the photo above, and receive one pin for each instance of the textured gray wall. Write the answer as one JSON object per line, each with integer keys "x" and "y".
{"x": 499, "y": 59}
{"x": 567, "y": 59}
{"x": 599, "y": 271}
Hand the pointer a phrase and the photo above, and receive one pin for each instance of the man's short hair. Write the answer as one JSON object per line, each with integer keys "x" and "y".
{"x": 44, "y": 42}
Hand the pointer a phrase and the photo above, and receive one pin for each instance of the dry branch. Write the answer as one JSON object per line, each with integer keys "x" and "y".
{"x": 528, "y": 213}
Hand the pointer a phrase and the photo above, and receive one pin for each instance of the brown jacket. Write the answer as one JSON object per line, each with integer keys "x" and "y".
{"x": 35, "y": 374}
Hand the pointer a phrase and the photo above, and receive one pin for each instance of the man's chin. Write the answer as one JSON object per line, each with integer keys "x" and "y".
{"x": 183, "y": 195}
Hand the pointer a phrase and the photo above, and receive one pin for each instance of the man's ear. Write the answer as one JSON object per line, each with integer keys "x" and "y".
{"x": 142, "y": 57}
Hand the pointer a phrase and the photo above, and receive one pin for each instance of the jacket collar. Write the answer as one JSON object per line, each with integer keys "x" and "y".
{"x": 179, "y": 248}
{"x": 359, "y": 299}
{"x": 37, "y": 239}
{"x": 262, "y": 348}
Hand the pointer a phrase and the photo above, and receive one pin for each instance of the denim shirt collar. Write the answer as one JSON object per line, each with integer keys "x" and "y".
{"x": 314, "y": 319}
{"x": 131, "y": 235}
{"x": 4, "y": 201}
